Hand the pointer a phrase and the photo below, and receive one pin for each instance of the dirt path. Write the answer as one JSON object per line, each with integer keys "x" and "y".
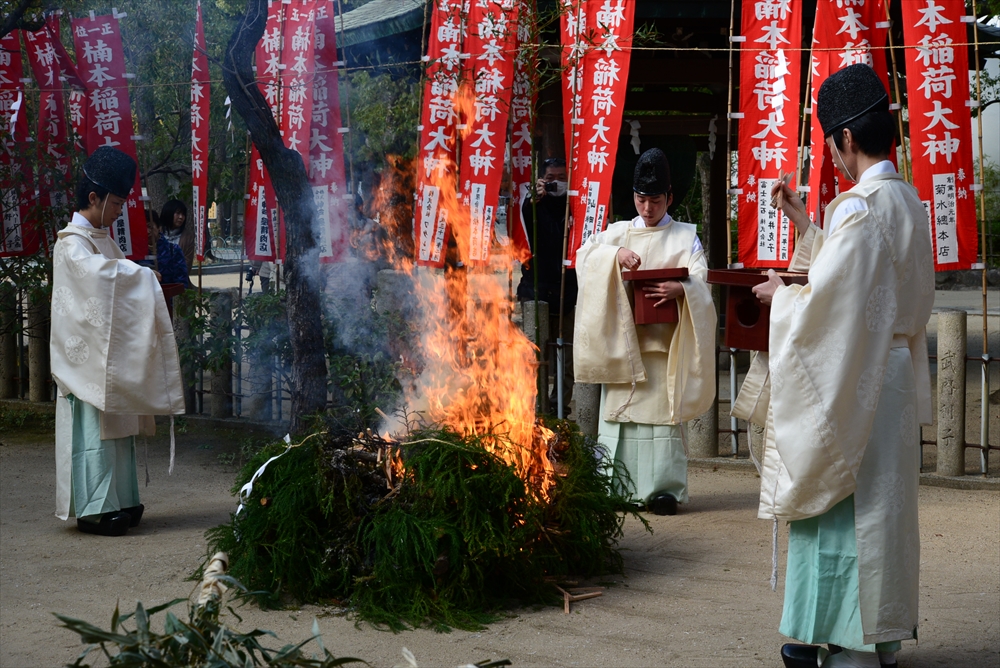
{"x": 695, "y": 592}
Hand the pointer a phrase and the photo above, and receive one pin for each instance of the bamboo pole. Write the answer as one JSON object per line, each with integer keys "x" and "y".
{"x": 984, "y": 424}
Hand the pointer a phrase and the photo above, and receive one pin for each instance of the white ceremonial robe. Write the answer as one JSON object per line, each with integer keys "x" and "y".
{"x": 111, "y": 345}
{"x": 842, "y": 413}
{"x": 659, "y": 375}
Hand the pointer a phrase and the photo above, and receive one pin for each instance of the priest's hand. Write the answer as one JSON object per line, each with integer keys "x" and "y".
{"x": 628, "y": 259}
{"x": 663, "y": 291}
{"x": 791, "y": 205}
{"x": 765, "y": 291}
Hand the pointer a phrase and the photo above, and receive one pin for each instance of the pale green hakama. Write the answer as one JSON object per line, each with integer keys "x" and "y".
{"x": 653, "y": 455}
{"x": 103, "y": 472}
{"x": 825, "y": 601}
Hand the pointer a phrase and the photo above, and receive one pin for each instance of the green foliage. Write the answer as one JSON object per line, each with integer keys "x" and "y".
{"x": 18, "y": 418}
{"x": 201, "y": 641}
{"x": 384, "y": 117}
{"x": 266, "y": 317}
{"x": 365, "y": 382}
{"x": 457, "y": 540}
{"x": 210, "y": 341}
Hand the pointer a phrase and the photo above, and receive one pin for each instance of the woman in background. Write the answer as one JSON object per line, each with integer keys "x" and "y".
{"x": 173, "y": 222}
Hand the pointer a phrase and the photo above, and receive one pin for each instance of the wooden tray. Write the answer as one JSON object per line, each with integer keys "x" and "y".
{"x": 643, "y": 310}
{"x": 747, "y": 319}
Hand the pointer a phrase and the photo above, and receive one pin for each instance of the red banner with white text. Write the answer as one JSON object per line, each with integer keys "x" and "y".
{"x": 101, "y": 64}
{"x": 52, "y": 133}
{"x": 261, "y": 213}
{"x": 603, "y": 85}
{"x": 768, "y": 129}
{"x": 200, "y": 97}
{"x": 937, "y": 87}
{"x": 522, "y": 120}
{"x": 490, "y": 42}
{"x": 326, "y": 143}
{"x": 18, "y": 235}
{"x": 436, "y": 159}
{"x": 844, "y": 34}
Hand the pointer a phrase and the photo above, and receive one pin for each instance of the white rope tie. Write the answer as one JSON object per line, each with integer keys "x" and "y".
{"x": 774, "y": 555}
{"x": 173, "y": 449}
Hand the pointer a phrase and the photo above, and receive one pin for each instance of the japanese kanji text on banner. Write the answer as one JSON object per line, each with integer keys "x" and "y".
{"x": 937, "y": 86}
{"x": 199, "y": 136}
{"x": 101, "y": 63}
{"x": 768, "y": 137}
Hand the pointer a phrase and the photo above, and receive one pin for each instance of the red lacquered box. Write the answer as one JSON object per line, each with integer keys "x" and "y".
{"x": 171, "y": 290}
{"x": 747, "y": 319}
{"x": 643, "y": 311}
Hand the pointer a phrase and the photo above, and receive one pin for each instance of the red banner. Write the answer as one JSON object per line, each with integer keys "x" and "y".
{"x": 844, "y": 34}
{"x": 436, "y": 182}
{"x": 261, "y": 214}
{"x": 768, "y": 137}
{"x": 18, "y": 237}
{"x": 326, "y": 143}
{"x": 52, "y": 137}
{"x": 522, "y": 119}
{"x": 101, "y": 63}
{"x": 200, "y": 103}
{"x": 604, "y": 82}
{"x": 490, "y": 42}
{"x": 573, "y": 33}
{"x": 937, "y": 87}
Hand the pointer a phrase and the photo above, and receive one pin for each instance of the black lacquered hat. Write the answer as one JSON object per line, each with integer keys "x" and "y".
{"x": 652, "y": 173}
{"x": 111, "y": 169}
{"x": 848, "y": 95}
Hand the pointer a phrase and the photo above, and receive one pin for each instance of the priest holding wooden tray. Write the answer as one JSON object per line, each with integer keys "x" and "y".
{"x": 849, "y": 387}
{"x": 656, "y": 373}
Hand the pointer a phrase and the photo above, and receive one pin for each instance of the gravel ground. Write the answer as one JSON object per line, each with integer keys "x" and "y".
{"x": 695, "y": 592}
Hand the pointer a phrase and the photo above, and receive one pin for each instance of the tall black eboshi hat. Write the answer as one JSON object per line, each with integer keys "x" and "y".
{"x": 111, "y": 169}
{"x": 848, "y": 95}
{"x": 652, "y": 173}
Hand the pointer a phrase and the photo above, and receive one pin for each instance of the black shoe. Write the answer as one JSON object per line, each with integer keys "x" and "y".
{"x": 112, "y": 524}
{"x": 662, "y": 504}
{"x": 800, "y": 656}
{"x": 136, "y": 513}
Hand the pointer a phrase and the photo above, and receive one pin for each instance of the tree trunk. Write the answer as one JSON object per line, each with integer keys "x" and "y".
{"x": 288, "y": 175}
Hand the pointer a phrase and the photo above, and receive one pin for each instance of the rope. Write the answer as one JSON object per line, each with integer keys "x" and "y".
{"x": 774, "y": 555}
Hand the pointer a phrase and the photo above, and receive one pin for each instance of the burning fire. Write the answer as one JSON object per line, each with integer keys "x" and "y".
{"x": 477, "y": 372}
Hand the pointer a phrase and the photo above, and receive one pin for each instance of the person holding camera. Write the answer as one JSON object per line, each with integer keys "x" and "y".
{"x": 549, "y": 203}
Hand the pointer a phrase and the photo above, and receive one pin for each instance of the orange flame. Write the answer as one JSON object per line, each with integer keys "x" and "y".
{"x": 477, "y": 371}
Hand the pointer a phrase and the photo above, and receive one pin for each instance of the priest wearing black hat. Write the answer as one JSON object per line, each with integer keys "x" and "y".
{"x": 654, "y": 377}
{"x": 849, "y": 386}
{"x": 114, "y": 359}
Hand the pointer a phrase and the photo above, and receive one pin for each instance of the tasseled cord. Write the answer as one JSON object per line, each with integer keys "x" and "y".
{"x": 173, "y": 447}
{"x": 774, "y": 555}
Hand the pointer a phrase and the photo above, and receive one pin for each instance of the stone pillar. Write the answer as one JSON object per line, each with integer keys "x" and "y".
{"x": 703, "y": 434}
{"x": 39, "y": 373}
{"x": 8, "y": 341}
{"x": 952, "y": 343}
{"x": 540, "y": 337}
{"x": 588, "y": 407}
{"x": 221, "y": 314}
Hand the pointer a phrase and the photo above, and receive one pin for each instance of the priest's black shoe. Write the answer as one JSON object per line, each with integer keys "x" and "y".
{"x": 800, "y": 656}
{"x": 136, "y": 513}
{"x": 662, "y": 504}
{"x": 111, "y": 524}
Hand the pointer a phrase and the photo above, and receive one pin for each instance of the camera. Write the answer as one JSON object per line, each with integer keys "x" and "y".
{"x": 551, "y": 187}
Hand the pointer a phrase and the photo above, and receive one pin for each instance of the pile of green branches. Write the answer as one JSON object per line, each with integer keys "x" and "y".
{"x": 453, "y": 541}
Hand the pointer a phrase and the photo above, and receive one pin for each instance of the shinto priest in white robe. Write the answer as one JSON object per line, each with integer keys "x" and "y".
{"x": 114, "y": 361}
{"x": 841, "y": 395}
{"x": 654, "y": 377}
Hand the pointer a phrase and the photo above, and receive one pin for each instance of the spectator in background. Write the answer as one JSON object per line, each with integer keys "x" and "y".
{"x": 169, "y": 257}
{"x": 547, "y": 260}
{"x": 173, "y": 222}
